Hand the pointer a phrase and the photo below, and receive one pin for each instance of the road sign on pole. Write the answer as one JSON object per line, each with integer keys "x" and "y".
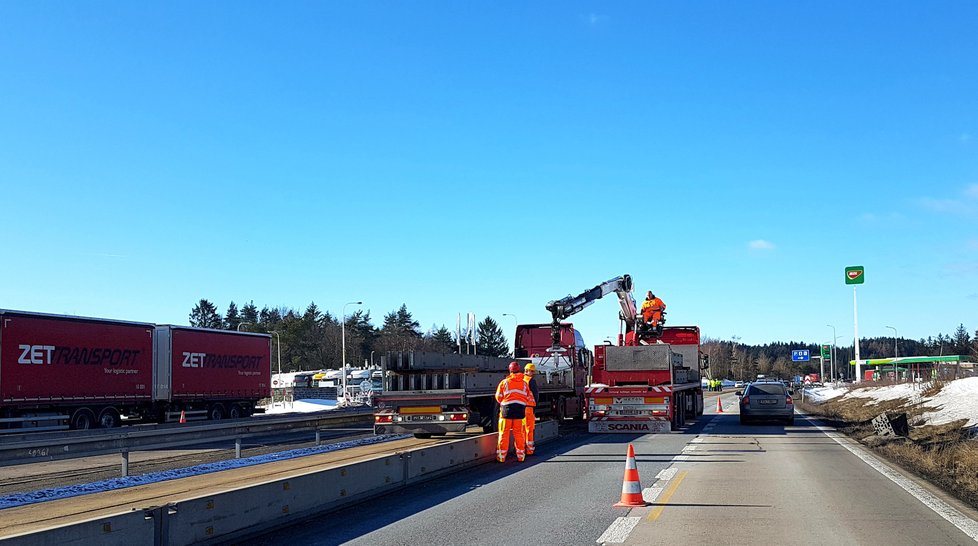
{"x": 855, "y": 275}
{"x": 800, "y": 355}
{"x": 827, "y": 352}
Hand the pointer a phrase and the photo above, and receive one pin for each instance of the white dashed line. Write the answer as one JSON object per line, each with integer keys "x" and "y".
{"x": 649, "y": 494}
{"x": 618, "y": 532}
{"x": 667, "y": 474}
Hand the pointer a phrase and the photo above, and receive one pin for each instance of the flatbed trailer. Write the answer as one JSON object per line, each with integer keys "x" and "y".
{"x": 431, "y": 394}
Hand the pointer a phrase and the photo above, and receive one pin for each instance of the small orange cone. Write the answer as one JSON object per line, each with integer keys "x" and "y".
{"x": 631, "y": 489}
{"x": 183, "y": 417}
{"x": 719, "y": 405}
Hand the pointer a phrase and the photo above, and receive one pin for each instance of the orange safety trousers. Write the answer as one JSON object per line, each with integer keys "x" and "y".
{"x": 529, "y": 424}
{"x": 502, "y": 445}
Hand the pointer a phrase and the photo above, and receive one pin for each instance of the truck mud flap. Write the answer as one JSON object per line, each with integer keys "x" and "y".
{"x": 630, "y": 427}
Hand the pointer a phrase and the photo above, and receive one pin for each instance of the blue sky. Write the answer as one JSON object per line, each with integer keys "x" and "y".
{"x": 456, "y": 157}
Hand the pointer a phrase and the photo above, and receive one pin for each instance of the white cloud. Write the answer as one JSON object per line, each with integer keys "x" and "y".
{"x": 594, "y": 19}
{"x": 963, "y": 205}
{"x": 760, "y": 244}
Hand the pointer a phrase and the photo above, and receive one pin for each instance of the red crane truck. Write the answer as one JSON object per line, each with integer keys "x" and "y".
{"x": 90, "y": 372}
{"x": 650, "y": 381}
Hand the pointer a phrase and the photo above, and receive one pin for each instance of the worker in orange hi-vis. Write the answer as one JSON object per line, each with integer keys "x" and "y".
{"x": 513, "y": 395}
{"x": 652, "y": 309}
{"x": 530, "y": 421}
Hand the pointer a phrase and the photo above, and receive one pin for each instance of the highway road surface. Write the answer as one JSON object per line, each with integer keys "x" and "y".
{"x": 716, "y": 482}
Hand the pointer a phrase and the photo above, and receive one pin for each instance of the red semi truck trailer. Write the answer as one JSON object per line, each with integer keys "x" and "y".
{"x": 90, "y": 372}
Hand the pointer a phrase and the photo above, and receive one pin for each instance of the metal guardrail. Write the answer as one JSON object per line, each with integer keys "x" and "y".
{"x": 55, "y": 446}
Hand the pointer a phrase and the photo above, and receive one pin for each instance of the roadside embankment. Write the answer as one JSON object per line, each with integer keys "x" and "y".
{"x": 943, "y": 416}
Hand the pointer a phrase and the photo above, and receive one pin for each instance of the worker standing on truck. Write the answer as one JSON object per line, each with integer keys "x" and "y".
{"x": 530, "y": 421}
{"x": 652, "y": 309}
{"x": 513, "y": 395}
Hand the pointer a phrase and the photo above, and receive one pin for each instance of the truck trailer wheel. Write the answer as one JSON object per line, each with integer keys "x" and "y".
{"x": 215, "y": 412}
{"x": 235, "y": 412}
{"x": 82, "y": 419}
{"x": 109, "y": 418}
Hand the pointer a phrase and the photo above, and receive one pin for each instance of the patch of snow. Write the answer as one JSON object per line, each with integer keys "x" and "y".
{"x": 823, "y": 394}
{"x": 889, "y": 392}
{"x": 20, "y": 499}
{"x": 957, "y": 400}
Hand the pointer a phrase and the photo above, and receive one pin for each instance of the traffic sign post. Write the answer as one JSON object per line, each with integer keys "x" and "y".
{"x": 827, "y": 352}
{"x": 800, "y": 355}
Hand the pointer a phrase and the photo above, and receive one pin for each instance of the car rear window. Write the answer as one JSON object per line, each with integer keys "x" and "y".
{"x": 765, "y": 388}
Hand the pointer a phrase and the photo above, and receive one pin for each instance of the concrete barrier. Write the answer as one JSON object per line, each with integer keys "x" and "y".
{"x": 244, "y": 512}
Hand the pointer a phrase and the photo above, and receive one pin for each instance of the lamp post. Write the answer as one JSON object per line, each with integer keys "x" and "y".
{"x": 240, "y": 324}
{"x": 279, "y": 336}
{"x": 343, "y": 338}
{"x": 896, "y": 351}
{"x": 517, "y": 321}
{"x": 832, "y": 366}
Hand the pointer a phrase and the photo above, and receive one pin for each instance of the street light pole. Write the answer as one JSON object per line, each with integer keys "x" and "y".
{"x": 832, "y": 365}
{"x": 279, "y": 336}
{"x": 240, "y": 324}
{"x": 517, "y": 321}
{"x": 343, "y": 337}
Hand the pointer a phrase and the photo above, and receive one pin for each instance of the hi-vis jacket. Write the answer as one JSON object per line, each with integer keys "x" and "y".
{"x": 513, "y": 395}
{"x": 534, "y": 390}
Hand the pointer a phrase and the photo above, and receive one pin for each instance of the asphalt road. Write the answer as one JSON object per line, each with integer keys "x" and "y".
{"x": 715, "y": 482}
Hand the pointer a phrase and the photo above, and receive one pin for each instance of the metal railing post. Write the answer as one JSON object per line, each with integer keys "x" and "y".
{"x": 125, "y": 464}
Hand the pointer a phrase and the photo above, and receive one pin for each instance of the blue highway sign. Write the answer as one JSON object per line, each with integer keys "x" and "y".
{"x": 800, "y": 355}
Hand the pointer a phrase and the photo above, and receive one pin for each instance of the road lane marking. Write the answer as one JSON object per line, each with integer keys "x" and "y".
{"x": 667, "y": 474}
{"x": 650, "y": 494}
{"x": 673, "y": 486}
{"x": 618, "y": 531}
{"x": 965, "y": 524}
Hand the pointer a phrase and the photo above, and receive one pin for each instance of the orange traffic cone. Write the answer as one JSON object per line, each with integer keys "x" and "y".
{"x": 183, "y": 417}
{"x": 631, "y": 489}
{"x": 719, "y": 405}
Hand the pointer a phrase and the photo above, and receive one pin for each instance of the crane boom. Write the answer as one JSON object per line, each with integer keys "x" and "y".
{"x": 570, "y": 305}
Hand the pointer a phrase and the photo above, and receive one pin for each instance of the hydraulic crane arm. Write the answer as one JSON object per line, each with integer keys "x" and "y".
{"x": 565, "y": 307}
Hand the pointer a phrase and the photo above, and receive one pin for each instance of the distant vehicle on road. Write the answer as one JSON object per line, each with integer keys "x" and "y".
{"x": 738, "y": 384}
{"x": 766, "y": 400}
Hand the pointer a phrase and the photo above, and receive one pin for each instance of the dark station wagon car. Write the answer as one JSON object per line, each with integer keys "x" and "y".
{"x": 766, "y": 400}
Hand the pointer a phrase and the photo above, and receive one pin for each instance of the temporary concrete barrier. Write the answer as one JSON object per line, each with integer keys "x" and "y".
{"x": 251, "y": 510}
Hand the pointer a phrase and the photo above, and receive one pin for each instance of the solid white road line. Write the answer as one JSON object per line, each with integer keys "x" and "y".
{"x": 618, "y": 532}
{"x": 967, "y": 525}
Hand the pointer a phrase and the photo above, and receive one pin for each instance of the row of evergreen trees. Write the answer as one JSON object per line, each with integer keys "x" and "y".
{"x": 733, "y": 360}
{"x": 312, "y": 339}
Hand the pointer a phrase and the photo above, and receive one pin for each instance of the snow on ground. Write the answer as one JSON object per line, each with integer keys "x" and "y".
{"x": 20, "y": 499}
{"x": 957, "y": 400}
{"x": 305, "y": 405}
{"x": 822, "y": 394}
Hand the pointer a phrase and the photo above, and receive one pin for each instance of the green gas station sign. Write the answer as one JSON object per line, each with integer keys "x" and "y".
{"x": 855, "y": 274}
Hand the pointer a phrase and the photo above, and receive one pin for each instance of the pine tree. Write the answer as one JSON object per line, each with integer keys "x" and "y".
{"x": 439, "y": 340}
{"x": 249, "y": 313}
{"x": 491, "y": 341}
{"x": 962, "y": 341}
{"x": 204, "y": 315}
{"x": 231, "y": 318}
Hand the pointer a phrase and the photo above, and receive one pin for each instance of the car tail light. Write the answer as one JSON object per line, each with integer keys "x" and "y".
{"x": 745, "y": 401}
{"x": 458, "y": 417}
{"x": 383, "y": 418}
{"x": 787, "y": 400}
